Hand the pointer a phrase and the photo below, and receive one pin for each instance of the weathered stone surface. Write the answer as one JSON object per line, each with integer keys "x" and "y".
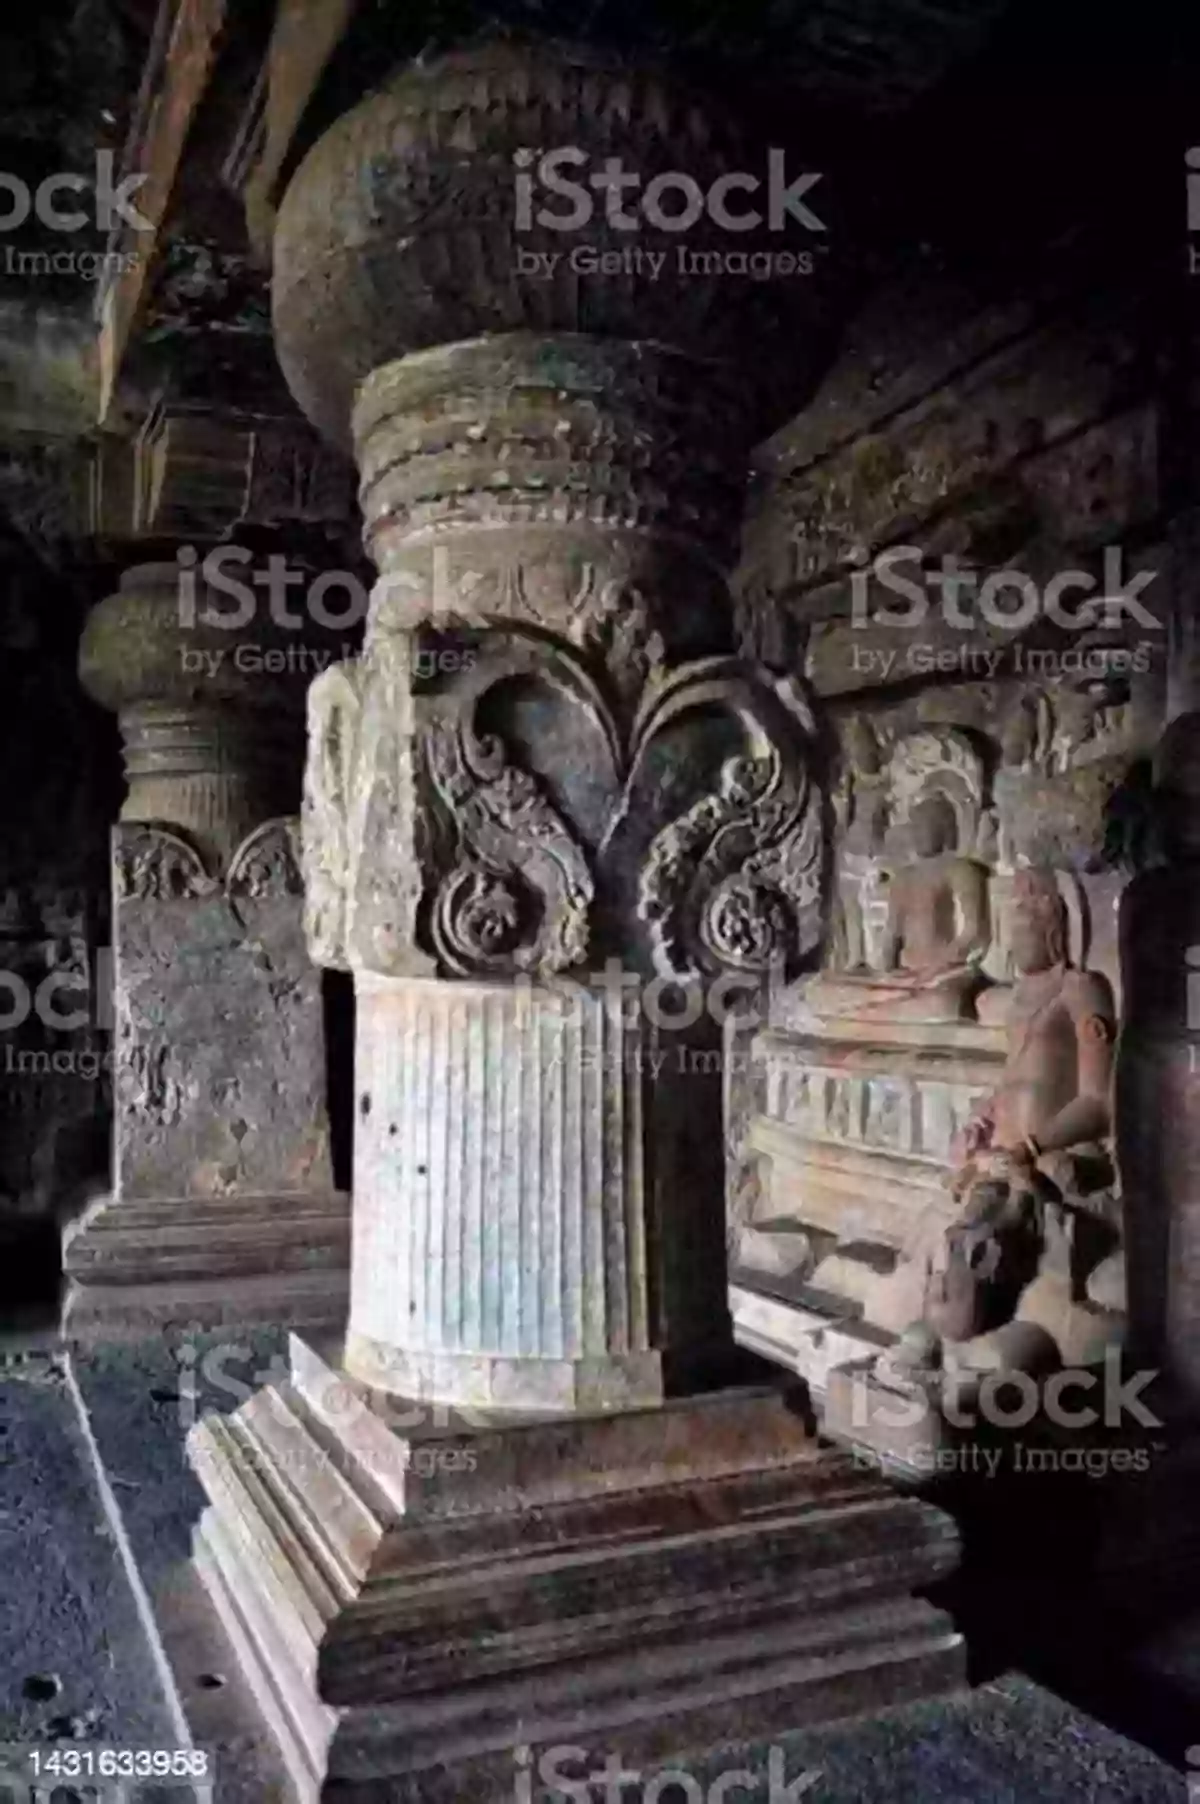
{"x": 986, "y": 434}
{"x": 224, "y": 1204}
{"x": 1008, "y": 444}
{"x": 1157, "y": 1079}
{"x": 220, "y": 1051}
{"x": 545, "y": 767}
{"x": 537, "y": 1220}
{"x": 545, "y": 760}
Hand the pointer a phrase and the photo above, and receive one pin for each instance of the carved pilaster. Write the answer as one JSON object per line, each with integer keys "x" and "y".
{"x": 1158, "y": 1077}
{"x": 223, "y": 1206}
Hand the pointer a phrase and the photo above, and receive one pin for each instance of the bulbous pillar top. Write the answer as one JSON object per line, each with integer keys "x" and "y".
{"x": 210, "y": 701}
{"x": 427, "y": 216}
{"x": 167, "y": 636}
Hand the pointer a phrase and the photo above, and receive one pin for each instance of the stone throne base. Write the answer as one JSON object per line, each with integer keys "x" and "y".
{"x": 136, "y": 1267}
{"x": 415, "y": 1605}
{"x": 851, "y": 1146}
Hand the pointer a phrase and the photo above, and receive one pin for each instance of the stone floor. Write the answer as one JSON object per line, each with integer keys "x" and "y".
{"x": 87, "y": 1654}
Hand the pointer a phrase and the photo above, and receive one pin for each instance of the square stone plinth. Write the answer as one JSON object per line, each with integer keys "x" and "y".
{"x": 415, "y": 1596}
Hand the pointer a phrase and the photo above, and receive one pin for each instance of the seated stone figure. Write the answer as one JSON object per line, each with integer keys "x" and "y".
{"x": 937, "y": 933}
{"x": 1017, "y": 1280}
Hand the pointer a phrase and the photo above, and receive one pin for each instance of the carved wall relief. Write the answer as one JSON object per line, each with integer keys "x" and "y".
{"x": 911, "y": 887}
{"x": 928, "y": 1150}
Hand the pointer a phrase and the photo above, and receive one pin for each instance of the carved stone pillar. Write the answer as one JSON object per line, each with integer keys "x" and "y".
{"x": 224, "y": 1207}
{"x": 548, "y": 817}
{"x": 543, "y": 811}
{"x": 211, "y": 745}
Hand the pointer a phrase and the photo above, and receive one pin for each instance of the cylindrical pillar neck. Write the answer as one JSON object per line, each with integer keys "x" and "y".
{"x": 210, "y": 704}
{"x": 212, "y": 771}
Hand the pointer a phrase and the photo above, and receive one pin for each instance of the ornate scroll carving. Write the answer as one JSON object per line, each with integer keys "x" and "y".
{"x": 155, "y": 864}
{"x": 509, "y": 855}
{"x": 267, "y": 863}
{"x": 152, "y": 864}
{"x": 519, "y": 893}
{"x": 519, "y": 898}
{"x": 736, "y": 880}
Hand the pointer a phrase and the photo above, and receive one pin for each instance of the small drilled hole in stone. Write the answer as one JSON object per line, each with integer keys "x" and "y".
{"x": 210, "y": 1681}
{"x": 364, "y": 1105}
{"x": 40, "y": 1687}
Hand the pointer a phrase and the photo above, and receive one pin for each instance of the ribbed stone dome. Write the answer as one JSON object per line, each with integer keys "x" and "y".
{"x": 160, "y": 638}
{"x": 403, "y": 227}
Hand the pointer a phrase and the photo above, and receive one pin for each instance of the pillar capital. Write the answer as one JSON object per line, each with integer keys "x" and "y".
{"x": 210, "y": 703}
{"x": 438, "y": 210}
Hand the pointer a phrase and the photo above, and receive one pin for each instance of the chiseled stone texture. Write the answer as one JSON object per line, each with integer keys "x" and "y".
{"x": 219, "y": 1045}
{"x": 519, "y": 1153}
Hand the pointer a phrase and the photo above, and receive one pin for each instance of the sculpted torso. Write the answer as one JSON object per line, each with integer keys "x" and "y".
{"x": 1060, "y": 1030}
{"x": 936, "y": 916}
{"x": 937, "y": 931}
